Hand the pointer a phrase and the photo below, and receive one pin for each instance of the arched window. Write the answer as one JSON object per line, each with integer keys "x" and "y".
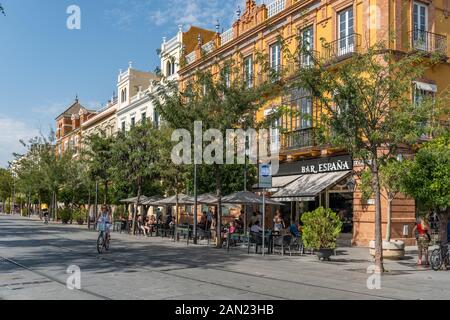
{"x": 168, "y": 68}
{"x": 123, "y": 95}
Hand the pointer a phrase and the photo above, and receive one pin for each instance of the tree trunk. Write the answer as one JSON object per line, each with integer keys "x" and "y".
{"x": 389, "y": 219}
{"x": 136, "y": 207}
{"x": 177, "y": 206}
{"x": 88, "y": 218}
{"x": 219, "y": 206}
{"x": 443, "y": 220}
{"x": 378, "y": 234}
{"x": 105, "y": 200}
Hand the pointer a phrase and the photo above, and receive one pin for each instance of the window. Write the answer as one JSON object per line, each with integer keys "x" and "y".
{"x": 307, "y": 46}
{"x": 168, "y": 69}
{"x": 248, "y": 71}
{"x": 274, "y": 132}
{"x": 345, "y": 32}
{"x": 123, "y": 95}
{"x": 133, "y": 121}
{"x": 301, "y": 110}
{"x": 155, "y": 119}
{"x": 123, "y": 125}
{"x": 423, "y": 92}
{"x": 143, "y": 117}
{"x": 420, "y": 26}
{"x": 275, "y": 57}
{"x": 226, "y": 76}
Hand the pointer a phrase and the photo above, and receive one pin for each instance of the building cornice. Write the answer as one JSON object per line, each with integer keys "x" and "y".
{"x": 248, "y": 35}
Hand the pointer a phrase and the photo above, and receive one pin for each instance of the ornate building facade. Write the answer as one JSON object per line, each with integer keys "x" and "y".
{"x": 311, "y": 175}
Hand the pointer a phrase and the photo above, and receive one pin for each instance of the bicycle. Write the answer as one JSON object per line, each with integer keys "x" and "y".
{"x": 103, "y": 240}
{"x": 45, "y": 218}
{"x": 439, "y": 257}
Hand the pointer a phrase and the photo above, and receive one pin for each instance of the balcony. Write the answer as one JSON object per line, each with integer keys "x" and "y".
{"x": 208, "y": 47}
{"x": 422, "y": 40}
{"x": 190, "y": 58}
{"x": 342, "y": 48}
{"x": 275, "y": 7}
{"x": 298, "y": 139}
{"x": 226, "y": 36}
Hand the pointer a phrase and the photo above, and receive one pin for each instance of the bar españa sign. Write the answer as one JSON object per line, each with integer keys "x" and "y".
{"x": 342, "y": 163}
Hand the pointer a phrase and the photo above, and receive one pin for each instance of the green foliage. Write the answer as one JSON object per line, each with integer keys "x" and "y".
{"x": 2, "y": 10}
{"x": 79, "y": 214}
{"x": 427, "y": 177}
{"x": 6, "y": 184}
{"x": 321, "y": 228}
{"x": 65, "y": 214}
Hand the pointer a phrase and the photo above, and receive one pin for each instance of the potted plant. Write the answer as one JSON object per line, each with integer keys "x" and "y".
{"x": 64, "y": 215}
{"x": 79, "y": 215}
{"x": 320, "y": 231}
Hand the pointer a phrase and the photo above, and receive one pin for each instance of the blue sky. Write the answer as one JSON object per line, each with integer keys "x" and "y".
{"x": 44, "y": 65}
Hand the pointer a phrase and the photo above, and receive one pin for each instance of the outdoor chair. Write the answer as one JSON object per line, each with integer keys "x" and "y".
{"x": 256, "y": 239}
{"x": 282, "y": 242}
{"x": 296, "y": 245}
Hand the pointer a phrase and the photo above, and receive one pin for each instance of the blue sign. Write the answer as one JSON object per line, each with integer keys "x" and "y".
{"x": 265, "y": 176}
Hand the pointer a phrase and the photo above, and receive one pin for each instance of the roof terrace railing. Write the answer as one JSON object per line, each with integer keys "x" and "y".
{"x": 275, "y": 7}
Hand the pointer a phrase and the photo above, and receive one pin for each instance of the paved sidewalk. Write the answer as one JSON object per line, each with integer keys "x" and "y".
{"x": 158, "y": 268}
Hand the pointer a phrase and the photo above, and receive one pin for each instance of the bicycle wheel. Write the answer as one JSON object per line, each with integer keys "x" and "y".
{"x": 107, "y": 242}
{"x": 100, "y": 243}
{"x": 436, "y": 260}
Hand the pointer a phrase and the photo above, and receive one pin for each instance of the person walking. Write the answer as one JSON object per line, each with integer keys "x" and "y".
{"x": 421, "y": 231}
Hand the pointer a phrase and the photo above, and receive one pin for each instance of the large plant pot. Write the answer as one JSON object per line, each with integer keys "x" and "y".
{"x": 324, "y": 254}
{"x": 391, "y": 249}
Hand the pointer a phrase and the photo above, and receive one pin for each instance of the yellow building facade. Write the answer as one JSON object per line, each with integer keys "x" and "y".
{"x": 334, "y": 30}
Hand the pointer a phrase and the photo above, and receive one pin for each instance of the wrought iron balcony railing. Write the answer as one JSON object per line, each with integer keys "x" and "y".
{"x": 428, "y": 41}
{"x": 342, "y": 48}
{"x": 297, "y": 139}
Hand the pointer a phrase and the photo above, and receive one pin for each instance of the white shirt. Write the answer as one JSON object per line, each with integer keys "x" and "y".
{"x": 255, "y": 228}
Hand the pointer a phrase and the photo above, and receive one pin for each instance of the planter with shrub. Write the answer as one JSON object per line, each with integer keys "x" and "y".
{"x": 64, "y": 215}
{"x": 320, "y": 231}
{"x": 79, "y": 215}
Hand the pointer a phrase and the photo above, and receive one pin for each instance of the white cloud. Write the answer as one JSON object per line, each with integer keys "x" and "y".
{"x": 12, "y": 131}
{"x": 201, "y": 13}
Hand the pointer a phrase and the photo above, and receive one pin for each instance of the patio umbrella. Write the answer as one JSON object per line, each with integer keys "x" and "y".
{"x": 151, "y": 201}
{"x": 247, "y": 197}
{"x": 206, "y": 198}
{"x": 182, "y": 199}
{"x": 133, "y": 200}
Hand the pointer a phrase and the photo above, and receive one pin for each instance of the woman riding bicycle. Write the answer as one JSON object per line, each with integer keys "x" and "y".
{"x": 106, "y": 218}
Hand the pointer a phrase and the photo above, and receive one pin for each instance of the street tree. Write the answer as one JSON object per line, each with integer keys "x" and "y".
{"x": 134, "y": 155}
{"x": 97, "y": 155}
{"x": 366, "y": 108}
{"x": 220, "y": 101}
{"x": 427, "y": 179}
{"x": 6, "y": 186}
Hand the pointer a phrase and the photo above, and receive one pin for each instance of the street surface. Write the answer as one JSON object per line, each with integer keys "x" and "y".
{"x": 34, "y": 259}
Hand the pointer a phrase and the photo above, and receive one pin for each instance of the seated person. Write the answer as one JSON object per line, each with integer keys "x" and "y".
{"x": 232, "y": 228}
{"x": 203, "y": 221}
{"x": 141, "y": 224}
{"x": 256, "y": 227}
{"x": 293, "y": 229}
